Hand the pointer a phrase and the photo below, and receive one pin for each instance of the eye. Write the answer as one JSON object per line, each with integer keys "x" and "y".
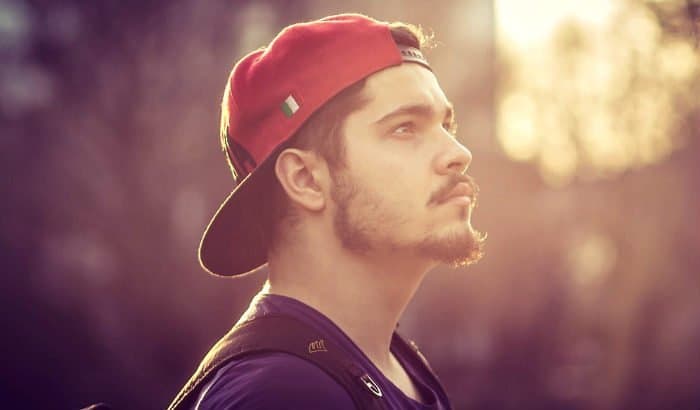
{"x": 450, "y": 127}
{"x": 404, "y": 129}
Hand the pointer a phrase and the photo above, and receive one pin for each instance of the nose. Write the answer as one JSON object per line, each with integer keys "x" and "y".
{"x": 455, "y": 158}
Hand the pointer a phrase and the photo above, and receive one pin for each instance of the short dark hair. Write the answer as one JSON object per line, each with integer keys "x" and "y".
{"x": 321, "y": 133}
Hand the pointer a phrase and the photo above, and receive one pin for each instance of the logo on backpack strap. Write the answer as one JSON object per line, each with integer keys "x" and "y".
{"x": 371, "y": 385}
{"x": 317, "y": 346}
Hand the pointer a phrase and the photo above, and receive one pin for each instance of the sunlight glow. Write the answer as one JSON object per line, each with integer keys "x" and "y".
{"x": 527, "y": 23}
{"x": 590, "y": 87}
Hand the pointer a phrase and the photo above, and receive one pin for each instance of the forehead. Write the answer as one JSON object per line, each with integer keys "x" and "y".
{"x": 406, "y": 84}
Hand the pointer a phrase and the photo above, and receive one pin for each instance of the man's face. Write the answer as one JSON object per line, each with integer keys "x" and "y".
{"x": 402, "y": 188}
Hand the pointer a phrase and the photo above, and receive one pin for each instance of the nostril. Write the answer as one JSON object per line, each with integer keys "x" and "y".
{"x": 461, "y": 161}
{"x": 457, "y": 167}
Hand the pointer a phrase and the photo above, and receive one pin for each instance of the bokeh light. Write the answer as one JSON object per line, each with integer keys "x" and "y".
{"x": 591, "y": 89}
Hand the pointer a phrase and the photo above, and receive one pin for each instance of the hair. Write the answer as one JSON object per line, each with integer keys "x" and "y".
{"x": 321, "y": 133}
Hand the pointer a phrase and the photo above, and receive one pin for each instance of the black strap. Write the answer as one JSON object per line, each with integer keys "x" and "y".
{"x": 288, "y": 335}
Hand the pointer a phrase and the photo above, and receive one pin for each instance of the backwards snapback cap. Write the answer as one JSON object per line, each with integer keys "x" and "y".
{"x": 270, "y": 93}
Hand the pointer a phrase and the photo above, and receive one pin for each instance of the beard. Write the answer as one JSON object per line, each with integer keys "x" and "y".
{"x": 363, "y": 225}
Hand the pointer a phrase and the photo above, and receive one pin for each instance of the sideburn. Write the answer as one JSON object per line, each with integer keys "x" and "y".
{"x": 342, "y": 193}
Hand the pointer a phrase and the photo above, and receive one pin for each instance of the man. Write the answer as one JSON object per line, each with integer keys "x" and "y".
{"x": 351, "y": 187}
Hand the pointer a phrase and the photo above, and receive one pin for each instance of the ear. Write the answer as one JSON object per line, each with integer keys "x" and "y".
{"x": 301, "y": 174}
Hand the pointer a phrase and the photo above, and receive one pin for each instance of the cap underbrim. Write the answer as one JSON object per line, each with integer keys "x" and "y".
{"x": 233, "y": 243}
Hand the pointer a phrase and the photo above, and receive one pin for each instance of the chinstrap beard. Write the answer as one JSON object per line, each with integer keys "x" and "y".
{"x": 454, "y": 248}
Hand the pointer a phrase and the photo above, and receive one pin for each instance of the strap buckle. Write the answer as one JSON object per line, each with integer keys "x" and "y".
{"x": 371, "y": 385}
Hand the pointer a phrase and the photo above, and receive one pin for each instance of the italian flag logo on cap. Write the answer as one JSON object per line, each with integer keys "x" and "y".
{"x": 290, "y": 106}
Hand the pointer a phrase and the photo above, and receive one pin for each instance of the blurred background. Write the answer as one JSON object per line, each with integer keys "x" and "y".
{"x": 584, "y": 122}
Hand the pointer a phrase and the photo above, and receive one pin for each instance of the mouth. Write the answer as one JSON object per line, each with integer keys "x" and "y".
{"x": 462, "y": 193}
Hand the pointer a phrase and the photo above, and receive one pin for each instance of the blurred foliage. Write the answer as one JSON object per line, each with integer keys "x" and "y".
{"x": 594, "y": 101}
{"x": 588, "y": 296}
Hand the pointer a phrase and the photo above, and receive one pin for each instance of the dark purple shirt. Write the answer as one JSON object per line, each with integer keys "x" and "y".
{"x": 282, "y": 381}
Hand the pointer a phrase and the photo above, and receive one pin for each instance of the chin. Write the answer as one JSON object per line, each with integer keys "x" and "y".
{"x": 458, "y": 247}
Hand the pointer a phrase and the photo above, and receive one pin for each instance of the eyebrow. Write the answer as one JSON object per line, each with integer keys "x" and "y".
{"x": 423, "y": 110}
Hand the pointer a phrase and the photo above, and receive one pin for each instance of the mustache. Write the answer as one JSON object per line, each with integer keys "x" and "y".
{"x": 451, "y": 183}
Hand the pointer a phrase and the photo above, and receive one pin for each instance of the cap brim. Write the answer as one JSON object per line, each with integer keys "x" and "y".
{"x": 233, "y": 243}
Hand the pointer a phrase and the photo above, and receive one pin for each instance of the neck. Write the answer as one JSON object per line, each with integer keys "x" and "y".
{"x": 364, "y": 295}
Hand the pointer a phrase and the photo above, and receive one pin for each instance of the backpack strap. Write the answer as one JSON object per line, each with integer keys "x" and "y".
{"x": 410, "y": 351}
{"x": 273, "y": 333}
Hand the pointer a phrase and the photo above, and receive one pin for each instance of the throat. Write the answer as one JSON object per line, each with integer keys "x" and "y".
{"x": 403, "y": 381}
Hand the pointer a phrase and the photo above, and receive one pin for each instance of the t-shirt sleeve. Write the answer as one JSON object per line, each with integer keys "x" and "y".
{"x": 274, "y": 381}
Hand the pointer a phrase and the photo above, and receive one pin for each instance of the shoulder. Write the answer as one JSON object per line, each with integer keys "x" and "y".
{"x": 273, "y": 381}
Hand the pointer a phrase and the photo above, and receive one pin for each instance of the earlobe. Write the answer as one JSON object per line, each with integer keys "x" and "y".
{"x": 297, "y": 172}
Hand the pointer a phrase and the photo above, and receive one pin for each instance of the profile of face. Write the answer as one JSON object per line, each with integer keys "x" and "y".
{"x": 402, "y": 187}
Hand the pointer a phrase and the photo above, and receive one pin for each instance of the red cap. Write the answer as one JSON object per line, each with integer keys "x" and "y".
{"x": 270, "y": 93}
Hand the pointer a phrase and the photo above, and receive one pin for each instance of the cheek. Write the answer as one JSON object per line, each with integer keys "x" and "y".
{"x": 395, "y": 183}
{"x": 399, "y": 175}
{"x": 403, "y": 198}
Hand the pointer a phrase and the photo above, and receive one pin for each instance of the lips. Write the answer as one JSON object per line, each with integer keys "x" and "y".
{"x": 461, "y": 190}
